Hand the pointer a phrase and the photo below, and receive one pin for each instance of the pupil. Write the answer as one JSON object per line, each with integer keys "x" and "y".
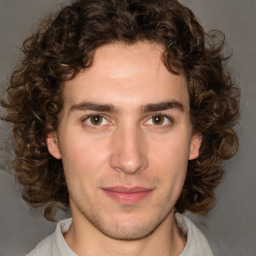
{"x": 96, "y": 120}
{"x": 158, "y": 119}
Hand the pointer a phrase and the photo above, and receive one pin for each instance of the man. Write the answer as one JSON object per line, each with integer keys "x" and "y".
{"x": 122, "y": 110}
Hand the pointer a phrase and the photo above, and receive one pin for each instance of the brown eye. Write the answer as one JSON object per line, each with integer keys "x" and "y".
{"x": 95, "y": 120}
{"x": 158, "y": 119}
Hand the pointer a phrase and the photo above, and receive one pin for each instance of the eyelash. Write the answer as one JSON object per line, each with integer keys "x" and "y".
{"x": 84, "y": 120}
{"x": 169, "y": 120}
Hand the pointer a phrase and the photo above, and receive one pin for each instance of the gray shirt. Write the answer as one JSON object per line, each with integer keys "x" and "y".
{"x": 55, "y": 244}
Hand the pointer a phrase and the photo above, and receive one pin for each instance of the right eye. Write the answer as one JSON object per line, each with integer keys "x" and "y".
{"x": 96, "y": 120}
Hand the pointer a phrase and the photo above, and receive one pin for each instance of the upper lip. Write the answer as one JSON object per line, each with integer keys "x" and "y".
{"x": 123, "y": 189}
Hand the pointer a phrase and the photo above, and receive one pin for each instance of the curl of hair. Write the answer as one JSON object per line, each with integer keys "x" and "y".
{"x": 65, "y": 44}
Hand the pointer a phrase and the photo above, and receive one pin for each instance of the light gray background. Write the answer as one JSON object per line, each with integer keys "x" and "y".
{"x": 230, "y": 226}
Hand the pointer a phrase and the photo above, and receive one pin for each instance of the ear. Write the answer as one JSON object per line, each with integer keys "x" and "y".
{"x": 53, "y": 146}
{"x": 196, "y": 141}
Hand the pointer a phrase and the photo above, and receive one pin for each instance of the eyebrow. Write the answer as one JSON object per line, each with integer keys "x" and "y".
{"x": 173, "y": 104}
{"x": 93, "y": 106}
{"x": 152, "y": 107}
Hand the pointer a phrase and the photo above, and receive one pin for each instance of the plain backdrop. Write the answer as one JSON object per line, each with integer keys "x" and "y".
{"x": 230, "y": 226}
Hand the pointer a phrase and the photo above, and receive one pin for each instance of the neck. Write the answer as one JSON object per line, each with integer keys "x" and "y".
{"x": 84, "y": 239}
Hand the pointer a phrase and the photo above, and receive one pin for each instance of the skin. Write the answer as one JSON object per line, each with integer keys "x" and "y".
{"x": 117, "y": 129}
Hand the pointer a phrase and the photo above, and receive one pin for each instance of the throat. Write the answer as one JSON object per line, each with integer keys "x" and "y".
{"x": 164, "y": 241}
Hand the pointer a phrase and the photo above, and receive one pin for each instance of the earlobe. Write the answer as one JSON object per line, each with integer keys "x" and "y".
{"x": 196, "y": 141}
{"x": 52, "y": 145}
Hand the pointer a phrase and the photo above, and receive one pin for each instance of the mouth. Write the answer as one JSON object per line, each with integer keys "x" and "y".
{"x": 128, "y": 195}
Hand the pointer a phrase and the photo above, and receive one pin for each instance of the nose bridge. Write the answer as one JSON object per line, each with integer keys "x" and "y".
{"x": 129, "y": 150}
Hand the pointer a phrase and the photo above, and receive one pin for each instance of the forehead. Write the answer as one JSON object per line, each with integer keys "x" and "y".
{"x": 132, "y": 74}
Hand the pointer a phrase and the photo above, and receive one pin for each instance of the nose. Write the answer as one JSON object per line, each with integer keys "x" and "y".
{"x": 129, "y": 151}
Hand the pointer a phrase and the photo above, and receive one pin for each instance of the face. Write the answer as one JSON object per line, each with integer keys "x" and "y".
{"x": 125, "y": 139}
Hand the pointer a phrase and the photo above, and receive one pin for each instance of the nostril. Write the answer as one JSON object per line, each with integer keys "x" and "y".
{"x": 129, "y": 162}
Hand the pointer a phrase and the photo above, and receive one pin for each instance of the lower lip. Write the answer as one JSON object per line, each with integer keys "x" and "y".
{"x": 128, "y": 198}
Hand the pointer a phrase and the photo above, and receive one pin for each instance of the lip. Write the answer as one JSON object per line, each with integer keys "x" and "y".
{"x": 128, "y": 195}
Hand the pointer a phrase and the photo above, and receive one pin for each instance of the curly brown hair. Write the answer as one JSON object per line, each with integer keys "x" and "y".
{"x": 65, "y": 44}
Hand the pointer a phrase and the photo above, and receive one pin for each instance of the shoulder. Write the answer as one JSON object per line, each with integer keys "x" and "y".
{"x": 55, "y": 243}
{"x": 197, "y": 244}
{"x": 44, "y": 247}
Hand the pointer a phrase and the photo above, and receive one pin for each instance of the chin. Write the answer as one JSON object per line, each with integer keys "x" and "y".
{"x": 128, "y": 233}
{"x": 129, "y": 229}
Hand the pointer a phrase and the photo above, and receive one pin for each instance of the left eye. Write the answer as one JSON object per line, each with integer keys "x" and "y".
{"x": 96, "y": 120}
{"x": 158, "y": 120}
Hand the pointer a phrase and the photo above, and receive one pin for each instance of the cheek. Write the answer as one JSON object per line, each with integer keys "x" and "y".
{"x": 169, "y": 160}
{"x": 172, "y": 152}
{"x": 82, "y": 155}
